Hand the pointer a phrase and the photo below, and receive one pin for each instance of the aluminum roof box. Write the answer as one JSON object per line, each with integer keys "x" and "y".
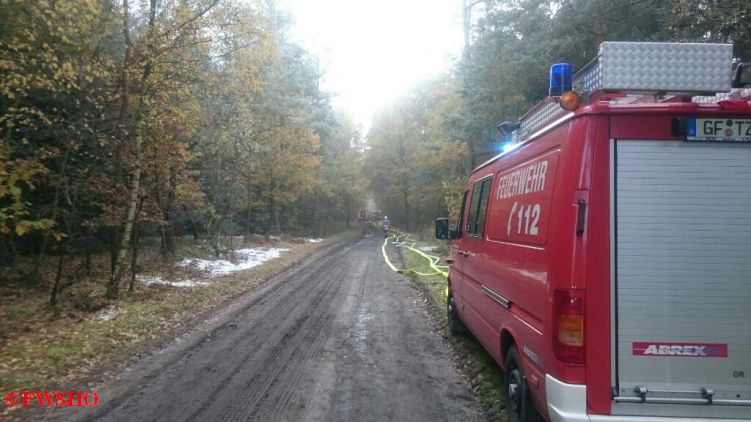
{"x": 670, "y": 68}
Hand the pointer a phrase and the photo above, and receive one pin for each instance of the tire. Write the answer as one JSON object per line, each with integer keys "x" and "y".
{"x": 519, "y": 405}
{"x": 456, "y": 326}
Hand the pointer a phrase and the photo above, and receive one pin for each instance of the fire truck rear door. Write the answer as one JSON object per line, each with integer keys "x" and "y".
{"x": 681, "y": 277}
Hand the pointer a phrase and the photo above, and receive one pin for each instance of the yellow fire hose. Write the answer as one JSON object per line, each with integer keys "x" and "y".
{"x": 432, "y": 260}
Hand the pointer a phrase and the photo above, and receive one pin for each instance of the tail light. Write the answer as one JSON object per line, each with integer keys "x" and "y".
{"x": 568, "y": 345}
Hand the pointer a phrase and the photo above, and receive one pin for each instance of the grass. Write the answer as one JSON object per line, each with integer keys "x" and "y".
{"x": 43, "y": 348}
{"x": 483, "y": 373}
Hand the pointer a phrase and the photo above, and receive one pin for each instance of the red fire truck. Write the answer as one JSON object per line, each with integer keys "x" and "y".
{"x": 368, "y": 215}
{"x": 375, "y": 215}
{"x": 604, "y": 259}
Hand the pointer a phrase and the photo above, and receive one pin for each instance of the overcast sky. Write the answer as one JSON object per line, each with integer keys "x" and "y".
{"x": 373, "y": 50}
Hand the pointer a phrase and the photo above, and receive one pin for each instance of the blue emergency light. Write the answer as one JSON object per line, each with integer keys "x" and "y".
{"x": 560, "y": 79}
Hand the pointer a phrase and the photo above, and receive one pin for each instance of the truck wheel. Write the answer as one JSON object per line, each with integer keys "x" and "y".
{"x": 456, "y": 326}
{"x": 519, "y": 406}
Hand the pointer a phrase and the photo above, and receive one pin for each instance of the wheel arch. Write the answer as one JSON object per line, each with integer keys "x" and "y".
{"x": 507, "y": 341}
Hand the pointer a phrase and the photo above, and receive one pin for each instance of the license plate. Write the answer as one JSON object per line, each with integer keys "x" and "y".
{"x": 719, "y": 129}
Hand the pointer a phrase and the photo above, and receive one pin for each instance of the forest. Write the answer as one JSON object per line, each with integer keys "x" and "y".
{"x": 121, "y": 120}
{"x": 127, "y": 119}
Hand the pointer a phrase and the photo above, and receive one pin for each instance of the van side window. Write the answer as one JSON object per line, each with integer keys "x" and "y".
{"x": 460, "y": 223}
{"x": 478, "y": 208}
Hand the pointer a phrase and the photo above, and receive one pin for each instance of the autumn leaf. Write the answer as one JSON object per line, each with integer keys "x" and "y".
{"x": 23, "y": 227}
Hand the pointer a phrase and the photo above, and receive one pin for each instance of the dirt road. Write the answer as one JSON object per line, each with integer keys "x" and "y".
{"x": 338, "y": 338}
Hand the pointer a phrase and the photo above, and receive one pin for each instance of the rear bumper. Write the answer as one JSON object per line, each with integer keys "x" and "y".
{"x": 568, "y": 403}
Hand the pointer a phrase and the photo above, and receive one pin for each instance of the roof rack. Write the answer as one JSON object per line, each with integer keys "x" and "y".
{"x": 734, "y": 94}
{"x": 543, "y": 112}
{"x": 651, "y": 67}
{"x": 631, "y": 72}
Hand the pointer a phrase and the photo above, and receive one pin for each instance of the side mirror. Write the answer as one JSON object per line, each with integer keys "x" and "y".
{"x": 442, "y": 228}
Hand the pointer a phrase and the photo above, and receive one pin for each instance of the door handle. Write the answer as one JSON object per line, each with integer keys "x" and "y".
{"x": 465, "y": 253}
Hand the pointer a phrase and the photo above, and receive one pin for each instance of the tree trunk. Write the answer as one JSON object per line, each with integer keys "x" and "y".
{"x": 12, "y": 244}
{"x": 272, "y": 208}
{"x": 168, "y": 230}
{"x": 133, "y": 259}
{"x": 314, "y": 213}
{"x": 55, "y": 205}
{"x": 113, "y": 285}
{"x": 192, "y": 227}
{"x": 248, "y": 211}
{"x": 217, "y": 243}
{"x": 114, "y": 241}
{"x": 87, "y": 258}
{"x": 215, "y": 224}
{"x": 317, "y": 213}
{"x": 275, "y": 212}
{"x": 4, "y": 252}
{"x": 54, "y": 299}
{"x": 114, "y": 281}
{"x": 58, "y": 287}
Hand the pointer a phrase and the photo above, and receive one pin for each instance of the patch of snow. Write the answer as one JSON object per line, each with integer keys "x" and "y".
{"x": 149, "y": 280}
{"x": 247, "y": 258}
{"x": 428, "y": 248}
{"x": 106, "y": 314}
{"x": 315, "y": 240}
